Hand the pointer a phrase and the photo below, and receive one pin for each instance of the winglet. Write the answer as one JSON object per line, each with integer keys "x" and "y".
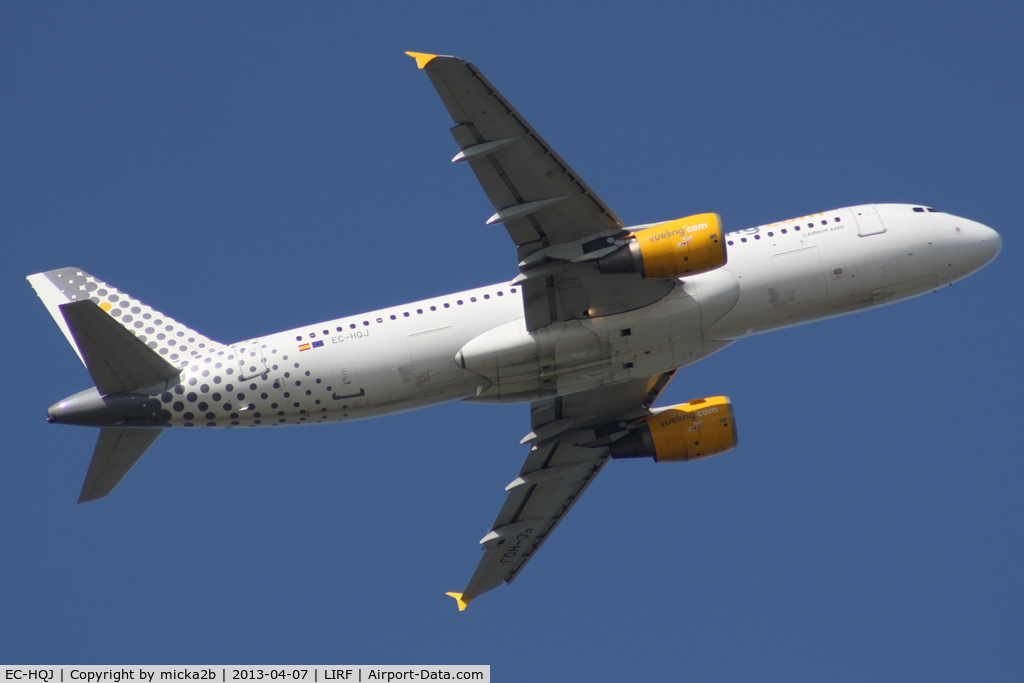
{"x": 458, "y": 596}
{"x": 421, "y": 58}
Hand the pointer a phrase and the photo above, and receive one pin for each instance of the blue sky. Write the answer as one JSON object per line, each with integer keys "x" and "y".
{"x": 247, "y": 167}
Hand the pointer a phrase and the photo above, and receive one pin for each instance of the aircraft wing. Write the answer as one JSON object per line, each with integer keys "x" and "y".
{"x": 559, "y": 225}
{"x": 568, "y": 448}
{"x": 534, "y": 192}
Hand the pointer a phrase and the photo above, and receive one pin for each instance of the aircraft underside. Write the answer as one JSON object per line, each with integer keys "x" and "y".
{"x": 591, "y": 330}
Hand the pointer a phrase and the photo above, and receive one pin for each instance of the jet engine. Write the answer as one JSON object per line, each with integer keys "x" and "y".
{"x": 688, "y": 431}
{"x": 685, "y": 246}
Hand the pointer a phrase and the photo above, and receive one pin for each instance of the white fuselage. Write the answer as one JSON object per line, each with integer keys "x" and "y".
{"x": 473, "y": 345}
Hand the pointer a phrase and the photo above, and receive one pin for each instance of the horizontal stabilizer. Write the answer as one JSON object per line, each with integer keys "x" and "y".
{"x": 116, "y": 452}
{"x": 116, "y": 359}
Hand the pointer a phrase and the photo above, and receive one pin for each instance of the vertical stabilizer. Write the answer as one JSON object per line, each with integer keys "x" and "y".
{"x": 166, "y": 336}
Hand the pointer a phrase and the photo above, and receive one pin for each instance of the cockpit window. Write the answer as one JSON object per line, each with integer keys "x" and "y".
{"x": 918, "y": 209}
{"x": 930, "y": 210}
{"x": 922, "y": 209}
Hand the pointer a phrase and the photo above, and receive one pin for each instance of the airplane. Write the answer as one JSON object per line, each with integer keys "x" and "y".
{"x": 596, "y": 324}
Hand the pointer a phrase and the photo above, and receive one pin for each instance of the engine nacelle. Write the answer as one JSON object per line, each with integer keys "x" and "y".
{"x": 685, "y": 246}
{"x": 698, "y": 429}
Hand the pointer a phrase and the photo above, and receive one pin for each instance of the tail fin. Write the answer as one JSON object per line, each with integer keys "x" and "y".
{"x": 116, "y": 452}
{"x": 163, "y": 334}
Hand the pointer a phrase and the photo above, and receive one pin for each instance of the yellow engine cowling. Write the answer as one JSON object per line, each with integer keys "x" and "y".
{"x": 698, "y": 429}
{"x": 685, "y": 246}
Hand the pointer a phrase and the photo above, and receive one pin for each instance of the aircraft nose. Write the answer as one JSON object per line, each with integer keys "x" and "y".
{"x": 978, "y": 244}
{"x": 989, "y": 243}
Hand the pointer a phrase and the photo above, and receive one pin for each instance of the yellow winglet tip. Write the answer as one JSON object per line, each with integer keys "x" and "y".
{"x": 422, "y": 58}
{"x": 458, "y": 596}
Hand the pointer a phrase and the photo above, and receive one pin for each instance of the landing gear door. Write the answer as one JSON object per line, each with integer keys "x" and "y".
{"x": 868, "y": 220}
{"x": 249, "y": 356}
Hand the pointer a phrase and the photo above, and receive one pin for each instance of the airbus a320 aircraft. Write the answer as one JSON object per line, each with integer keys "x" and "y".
{"x": 590, "y": 332}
